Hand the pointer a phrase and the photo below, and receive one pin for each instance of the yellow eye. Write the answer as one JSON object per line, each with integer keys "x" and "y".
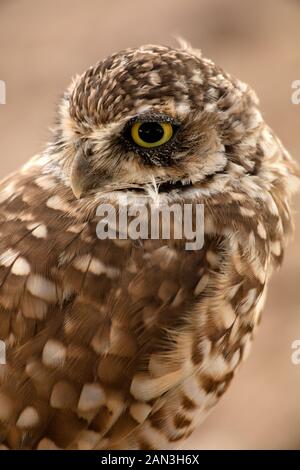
{"x": 151, "y": 134}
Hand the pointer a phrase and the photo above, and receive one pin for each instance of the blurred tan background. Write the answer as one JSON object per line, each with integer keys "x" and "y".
{"x": 44, "y": 43}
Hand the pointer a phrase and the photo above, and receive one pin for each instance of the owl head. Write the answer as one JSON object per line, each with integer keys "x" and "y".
{"x": 157, "y": 117}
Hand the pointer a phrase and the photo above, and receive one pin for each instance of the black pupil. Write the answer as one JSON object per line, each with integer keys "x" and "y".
{"x": 151, "y": 132}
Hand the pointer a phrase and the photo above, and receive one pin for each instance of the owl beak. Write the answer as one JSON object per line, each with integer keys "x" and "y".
{"x": 81, "y": 175}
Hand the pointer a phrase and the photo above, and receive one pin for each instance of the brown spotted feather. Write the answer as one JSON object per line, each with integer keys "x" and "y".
{"x": 123, "y": 344}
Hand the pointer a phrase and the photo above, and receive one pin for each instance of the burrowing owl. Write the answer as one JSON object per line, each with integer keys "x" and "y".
{"x": 127, "y": 344}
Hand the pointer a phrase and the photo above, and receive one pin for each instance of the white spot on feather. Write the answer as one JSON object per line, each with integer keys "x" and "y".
{"x": 88, "y": 440}
{"x": 261, "y": 231}
{"x": 183, "y": 108}
{"x": 46, "y": 182}
{"x": 235, "y": 359}
{"x": 197, "y": 77}
{"x": 194, "y": 392}
{"x": 47, "y": 444}
{"x": 21, "y": 267}
{"x": 41, "y": 287}
{"x": 246, "y": 212}
{"x": 54, "y": 353}
{"x": 258, "y": 270}
{"x": 154, "y": 78}
{"x": 276, "y": 248}
{"x": 212, "y": 258}
{"x": 144, "y": 387}
{"x": 28, "y": 418}
{"x": 38, "y": 230}
{"x": 227, "y": 315}
{"x": 8, "y": 257}
{"x": 85, "y": 263}
{"x": 248, "y": 301}
{"x": 7, "y": 192}
{"x": 92, "y": 396}
{"x": 57, "y": 203}
{"x": 216, "y": 366}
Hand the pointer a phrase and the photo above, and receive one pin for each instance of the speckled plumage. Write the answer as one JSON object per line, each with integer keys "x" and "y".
{"x": 128, "y": 344}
